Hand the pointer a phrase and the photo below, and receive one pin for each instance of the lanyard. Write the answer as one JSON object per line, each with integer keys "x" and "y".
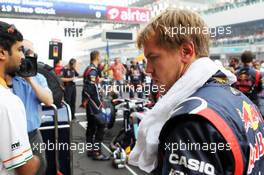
{"x": 3, "y": 82}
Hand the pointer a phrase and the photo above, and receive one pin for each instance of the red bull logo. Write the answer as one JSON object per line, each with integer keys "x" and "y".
{"x": 256, "y": 151}
{"x": 250, "y": 116}
{"x": 252, "y": 120}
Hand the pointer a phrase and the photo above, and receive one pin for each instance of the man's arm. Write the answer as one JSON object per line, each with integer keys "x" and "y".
{"x": 196, "y": 147}
{"x": 16, "y": 153}
{"x": 30, "y": 168}
{"x": 43, "y": 93}
{"x": 67, "y": 79}
{"x": 123, "y": 69}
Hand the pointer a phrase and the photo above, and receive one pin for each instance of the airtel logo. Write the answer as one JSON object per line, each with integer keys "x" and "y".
{"x": 128, "y": 14}
{"x": 113, "y": 13}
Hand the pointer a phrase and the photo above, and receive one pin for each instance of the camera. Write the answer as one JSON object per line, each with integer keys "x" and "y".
{"x": 28, "y": 67}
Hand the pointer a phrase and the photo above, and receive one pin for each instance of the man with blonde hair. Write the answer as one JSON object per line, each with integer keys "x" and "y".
{"x": 201, "y": 125}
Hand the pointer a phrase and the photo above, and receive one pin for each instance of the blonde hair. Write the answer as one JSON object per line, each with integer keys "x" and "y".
{"x": 162, "y": 30}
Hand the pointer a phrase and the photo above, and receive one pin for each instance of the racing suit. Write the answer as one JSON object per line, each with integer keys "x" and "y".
{"x": 249, "y": 79}
{"x": 216, "y": 131}
{"x": 95, "y": 130}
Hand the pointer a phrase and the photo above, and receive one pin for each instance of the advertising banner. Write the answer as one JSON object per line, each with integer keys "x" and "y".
{"x": 84, "y": 11}
{"x": 124, "y": 14}
{"x": 52, "y": 8}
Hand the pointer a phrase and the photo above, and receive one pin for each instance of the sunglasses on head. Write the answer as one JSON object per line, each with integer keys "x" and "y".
{"x": 8, "y": 28}
{"x": 11, "y": 29}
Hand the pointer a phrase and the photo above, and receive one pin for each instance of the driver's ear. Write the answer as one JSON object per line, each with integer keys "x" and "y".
{"x": 3, "y": 53}
{"x": 187, "y": 52}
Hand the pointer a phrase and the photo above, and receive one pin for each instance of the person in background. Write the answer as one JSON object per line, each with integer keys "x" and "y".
{"x": 92, "y": 102}
{"x": 256, "y": 64}
{"x": 101, "y": 68}
{"x": 118, "y": 74}
{"x": 248, "y": 78}
{"x": 261, "y": 66}
{"x": 58, "y": 68}
{"x": 33, "y": 91}
{"x": 15, "y": 151}
{"x": 135, "y": 80}
{"x": 127, "y": 72}
{"x": 234, "y": 63}
{"x": 261, "y": 93}
{"x": 69, "y": 74}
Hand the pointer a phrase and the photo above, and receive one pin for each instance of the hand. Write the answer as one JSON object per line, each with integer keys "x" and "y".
{"x": 28, "y": 79}
{"x": 100, "y": 80}
{"x": 74, "y": 79}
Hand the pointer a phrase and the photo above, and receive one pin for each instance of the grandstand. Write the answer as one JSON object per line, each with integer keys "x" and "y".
{"x": 246, "y": 22}
{"x": 220, "y": 7}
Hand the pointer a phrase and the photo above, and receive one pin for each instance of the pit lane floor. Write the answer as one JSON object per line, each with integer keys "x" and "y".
{"x": 83, "y": 165}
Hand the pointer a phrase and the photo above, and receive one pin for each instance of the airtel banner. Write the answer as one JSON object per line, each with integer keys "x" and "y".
{"x": 124, "y": 14}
